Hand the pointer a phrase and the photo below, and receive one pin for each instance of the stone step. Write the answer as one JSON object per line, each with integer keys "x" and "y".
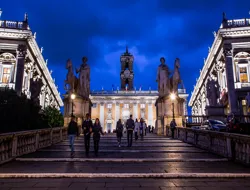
{"x": 125, "y": 175}
{"x": 128, "y": 151}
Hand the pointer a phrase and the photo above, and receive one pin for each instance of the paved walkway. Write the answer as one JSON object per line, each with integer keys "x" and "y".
{"x": 155, "y": 163}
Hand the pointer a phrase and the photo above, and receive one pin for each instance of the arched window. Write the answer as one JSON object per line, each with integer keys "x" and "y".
{"x": 242, "y": 67}
{"x": 7, "y": 68}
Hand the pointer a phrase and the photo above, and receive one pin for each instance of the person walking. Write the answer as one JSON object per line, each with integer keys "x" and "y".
{"x": 119, "y": 131}
{"x": 97, "y": 131}
{"x": 130, "y": 125}
{"x": 87, "y": 129}
{"x": 149, "y": 128}
{"x": 72, "y": 133}
{"x": 142, "y": 127}
{"x": 173, "y": 126}
{"x": 136, "y": 129}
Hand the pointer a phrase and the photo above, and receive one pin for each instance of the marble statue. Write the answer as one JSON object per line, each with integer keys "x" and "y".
{"x": 36, "y": 85}
{"x": 176, "y": 78}
{"x": 84, "y": 78}
{"x": 163, "y": 78}
{"x": 71, "y": 82}
{"x": 212, "y": 91}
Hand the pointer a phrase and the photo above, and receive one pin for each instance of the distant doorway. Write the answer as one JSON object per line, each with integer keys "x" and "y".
{"x": 109, "y": 127}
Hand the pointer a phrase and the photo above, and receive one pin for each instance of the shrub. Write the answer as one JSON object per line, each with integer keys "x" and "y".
{"x": 17, "y": 113}
{"x": 53, "y": 116}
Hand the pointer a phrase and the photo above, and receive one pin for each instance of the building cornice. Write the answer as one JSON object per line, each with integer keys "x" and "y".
{"x": 14, "y": 34}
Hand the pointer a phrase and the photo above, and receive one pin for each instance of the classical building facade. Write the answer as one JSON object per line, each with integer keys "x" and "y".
{"x": 22, "y": 66}
{"x": 110, "y": 106}
{"x": 224, "y": 80}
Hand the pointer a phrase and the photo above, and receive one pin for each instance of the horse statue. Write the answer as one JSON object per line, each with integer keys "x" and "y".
{"x": 71, "y": 82}
{"x": 175, "y": 80}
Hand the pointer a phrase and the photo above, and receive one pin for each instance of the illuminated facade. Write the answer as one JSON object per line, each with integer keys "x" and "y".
{"x": 228, "y": 63}
{"x": 22, "y": 66}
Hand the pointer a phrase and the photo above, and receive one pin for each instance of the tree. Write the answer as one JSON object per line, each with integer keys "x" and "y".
{"x": 53, "y": 116}
{"x": 18, "y": 113}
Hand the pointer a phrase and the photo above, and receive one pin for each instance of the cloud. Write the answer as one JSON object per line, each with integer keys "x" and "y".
{"x": 101, "y": 30}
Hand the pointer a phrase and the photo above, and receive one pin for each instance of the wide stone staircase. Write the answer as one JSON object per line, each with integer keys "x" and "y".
{"x": 156, "y": 162}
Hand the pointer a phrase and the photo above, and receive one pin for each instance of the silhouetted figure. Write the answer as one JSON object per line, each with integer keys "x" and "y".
{"x": 119, "y": 131}
{"x": 142, "y": 127}
{"x": 130, "y": 125}
{"x": 136, "y": 129}
{"x": 97, "y": 131}
{"x": 87, "y": 129}
{"x": 173, "y": 126}
{"x": 72, "y": 133}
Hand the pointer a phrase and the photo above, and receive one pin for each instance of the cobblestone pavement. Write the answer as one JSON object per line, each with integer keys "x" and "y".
{"x": 159, "y": 160}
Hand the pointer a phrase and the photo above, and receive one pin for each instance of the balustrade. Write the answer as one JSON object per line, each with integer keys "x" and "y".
{"x": 237, "y": 23}
{"x": 20, "y": 143}
{"x": 13, "y": 25}
{"x": 233, "y": 146}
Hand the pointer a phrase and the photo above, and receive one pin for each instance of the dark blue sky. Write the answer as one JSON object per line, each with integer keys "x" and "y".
{"x": 101, "y": 29}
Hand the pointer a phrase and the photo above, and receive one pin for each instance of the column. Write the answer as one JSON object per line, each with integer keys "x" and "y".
{"x": 21, "y": 52}
{"x": 135, "y": 111}
{"x": 232, "y": 97}
{"x": 102, "y": 115}
{"x": 117, "y": 112}
{"x": 150, "y": 114}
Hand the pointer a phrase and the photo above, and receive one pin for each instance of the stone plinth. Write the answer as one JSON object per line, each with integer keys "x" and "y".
{"x": 165, "y": 113}
{"x": 215, "y": 112}
{"x": 81, "y": 106}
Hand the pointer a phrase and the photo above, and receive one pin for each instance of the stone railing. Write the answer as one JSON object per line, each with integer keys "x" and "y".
{"x": 236, "y": 23}
{"x": 20, "y": 143}
{"x": 14, "y": 25}
{"x": 236, "y": 147}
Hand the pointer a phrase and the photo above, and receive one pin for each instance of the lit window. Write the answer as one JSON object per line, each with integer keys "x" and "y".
{"x": 243, "y": 74}
{"x": 6, "y": 75}
{"x": 126, "y": 106}
{"x": 109, "y": 105}
{"x": 142, "y": 105}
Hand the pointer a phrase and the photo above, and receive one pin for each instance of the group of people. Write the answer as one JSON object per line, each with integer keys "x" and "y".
{"x": 139, "y": 128}
{"x": 88, "y": 128}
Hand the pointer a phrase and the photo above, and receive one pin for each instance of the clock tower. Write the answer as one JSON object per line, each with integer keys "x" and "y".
{"x": 127, "y": 73}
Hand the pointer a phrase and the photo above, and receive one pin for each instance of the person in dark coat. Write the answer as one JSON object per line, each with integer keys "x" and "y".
{"x": 97, "y": 131}
{"x": 173, "y": 126}
{"x": 119, "y": 131}
{"x": 72, "y": 133}
{"x": 130, "y": 125}
{"x": 87, "y": 128}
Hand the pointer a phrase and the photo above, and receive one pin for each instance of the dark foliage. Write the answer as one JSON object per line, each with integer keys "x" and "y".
{"x": 17, "y": 113}
{"x": 53, "y": 116}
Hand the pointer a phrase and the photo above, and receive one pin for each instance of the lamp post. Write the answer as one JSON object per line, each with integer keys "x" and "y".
{"x": 73, "y": 96}
{"x": 172, "y": 97}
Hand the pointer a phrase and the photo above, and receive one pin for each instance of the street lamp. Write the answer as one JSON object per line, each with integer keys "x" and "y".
{"x": 73, "y": 96}
{"x": 173, "y": 97}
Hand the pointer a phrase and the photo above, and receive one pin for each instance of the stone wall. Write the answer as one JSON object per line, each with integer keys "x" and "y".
{"x": 20, "y": 143}
{"x": 236, "y": 147}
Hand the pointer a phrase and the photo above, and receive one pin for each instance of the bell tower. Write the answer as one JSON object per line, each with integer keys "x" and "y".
{"x": 127, "y": 73}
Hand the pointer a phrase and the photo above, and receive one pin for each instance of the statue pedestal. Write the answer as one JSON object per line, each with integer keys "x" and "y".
{"x": 164, "y": 107}
{"x": 81, "y": 106}
{"x": 215, "y": 112}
